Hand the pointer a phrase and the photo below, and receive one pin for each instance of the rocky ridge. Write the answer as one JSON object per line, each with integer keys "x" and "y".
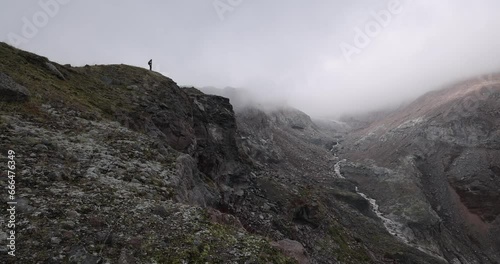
{"x": 116, "y": 164}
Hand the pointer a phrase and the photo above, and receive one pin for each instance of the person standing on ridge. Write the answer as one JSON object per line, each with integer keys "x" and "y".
{"x": 150, "y": 63}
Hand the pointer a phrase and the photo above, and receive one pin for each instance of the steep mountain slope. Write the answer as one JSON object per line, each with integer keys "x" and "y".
{"x": 433, "y": 167}
{"x": 300, "y": 181}
{"x": 117, "y": 164}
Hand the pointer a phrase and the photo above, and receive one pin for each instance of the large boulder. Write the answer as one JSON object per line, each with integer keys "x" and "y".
{"x": 55, "y": 71}
{"x": 292, "y": 249}
{"x": 12, "y": 91}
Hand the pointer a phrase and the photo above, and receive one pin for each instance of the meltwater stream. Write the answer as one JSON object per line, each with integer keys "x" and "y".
{"x": 394, "y": 228}
{"x": 337, "y": 169}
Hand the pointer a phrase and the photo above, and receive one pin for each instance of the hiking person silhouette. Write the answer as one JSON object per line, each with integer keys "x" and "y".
{"x": 150, "y": 63}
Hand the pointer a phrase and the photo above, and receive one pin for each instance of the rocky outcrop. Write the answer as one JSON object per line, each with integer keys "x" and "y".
{"x": 214, "y": 126}
{"x": 115, "y": 164}
{"x": 191, "y": 187}
{"x": 193, "y": 123}
{"x": 12, "y": 91}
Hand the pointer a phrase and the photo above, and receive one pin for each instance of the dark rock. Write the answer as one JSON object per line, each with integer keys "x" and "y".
{"x": 191, "y": 188}
{"x": 40, "y": 148}
{"x": 12, "y": 91}
{"x": 24, "y": 205}
{"x": 307, "y": 214}
{"x": 55, "y": 240}
{"x": 105, "y": 238}
{"x": 160, "y": 211}
{"x": 97, "y": 222}
{"x": 68, "y": 224}
{"x": 126, "y": 258}
{"x": 79, "y": 255}
{"x": 72, "y": 214}
{"x": 68, "y": 235}
{"x": 54, "y": 176}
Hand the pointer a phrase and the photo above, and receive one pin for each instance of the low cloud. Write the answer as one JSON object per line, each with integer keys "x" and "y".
{"x": 285, "y": 51}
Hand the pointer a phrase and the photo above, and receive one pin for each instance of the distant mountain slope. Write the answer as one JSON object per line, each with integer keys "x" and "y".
{"x": 434, "y": 166}
{"x": 300, "y": 180}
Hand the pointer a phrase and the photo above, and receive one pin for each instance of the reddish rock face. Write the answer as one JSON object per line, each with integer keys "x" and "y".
{"x": 474, "y": 176}
{"x": 292, "y": 249}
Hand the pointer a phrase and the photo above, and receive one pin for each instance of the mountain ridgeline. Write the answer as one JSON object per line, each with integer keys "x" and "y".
{"x": 118, "y": 164}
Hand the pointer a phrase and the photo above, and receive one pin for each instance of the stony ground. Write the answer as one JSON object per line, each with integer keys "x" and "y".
{"x": 91, "y": 191}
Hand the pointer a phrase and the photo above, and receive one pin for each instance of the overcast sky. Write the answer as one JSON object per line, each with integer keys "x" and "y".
{"x": 308, "y": 54}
